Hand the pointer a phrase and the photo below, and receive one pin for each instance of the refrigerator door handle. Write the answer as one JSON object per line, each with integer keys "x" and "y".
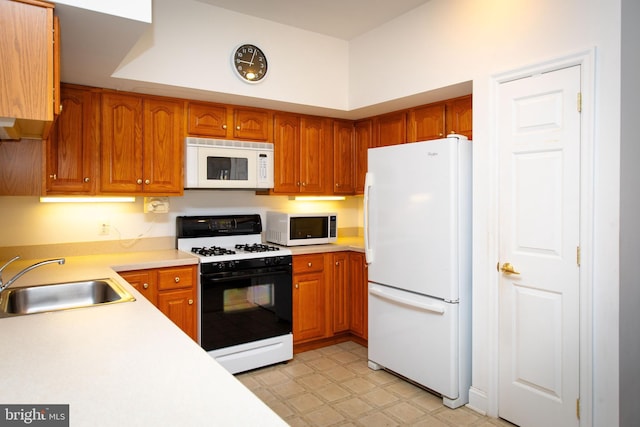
{"x": 368, "y": 252}
{"x": 434, "y": 308}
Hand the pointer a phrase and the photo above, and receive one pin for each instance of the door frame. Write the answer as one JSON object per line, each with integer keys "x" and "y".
{"x": 586, "y": 60}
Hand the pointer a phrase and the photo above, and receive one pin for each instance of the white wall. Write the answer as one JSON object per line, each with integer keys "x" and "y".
{"x": 28, "y": 222}
{"x": 190, "y": 45}
{"x": 139, "y": 10}
{"x": 445, "y": 42}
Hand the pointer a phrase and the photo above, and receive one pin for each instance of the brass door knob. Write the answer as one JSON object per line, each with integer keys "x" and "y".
{"x": 508, "y": 269}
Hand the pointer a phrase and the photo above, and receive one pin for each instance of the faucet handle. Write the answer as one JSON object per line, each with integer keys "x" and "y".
{"x": 9, "y": 262}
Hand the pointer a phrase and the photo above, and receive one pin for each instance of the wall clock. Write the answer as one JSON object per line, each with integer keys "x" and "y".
{"x": 250, "y": 63}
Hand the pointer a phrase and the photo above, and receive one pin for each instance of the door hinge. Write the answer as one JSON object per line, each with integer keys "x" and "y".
{"x": 578, "y": 255}
{"x": 579, "y": 102}
{"x": 578, "y": 408}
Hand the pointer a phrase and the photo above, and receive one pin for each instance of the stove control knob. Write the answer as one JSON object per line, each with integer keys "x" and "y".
{"x": 231, "y": 264}
{"x": 268, "y": 261}
{"x": 221, "y": 266}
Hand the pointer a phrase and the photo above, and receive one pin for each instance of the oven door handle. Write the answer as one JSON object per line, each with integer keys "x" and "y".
{"x": 243, "y": 275}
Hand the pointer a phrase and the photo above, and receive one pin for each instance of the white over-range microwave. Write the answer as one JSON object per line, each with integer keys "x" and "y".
{"x": 218, "y": 163}
{"x": 296, "y": 229}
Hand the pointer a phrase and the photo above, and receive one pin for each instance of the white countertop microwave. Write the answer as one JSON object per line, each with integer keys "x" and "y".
{"x": 219, "y": 163}
{"x": 296, "y": 229}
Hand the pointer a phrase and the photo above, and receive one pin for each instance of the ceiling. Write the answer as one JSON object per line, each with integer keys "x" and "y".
{"x": 343, "y": 19}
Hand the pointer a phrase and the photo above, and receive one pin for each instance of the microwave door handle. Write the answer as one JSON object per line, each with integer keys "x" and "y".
{"x": 368, "y": 251}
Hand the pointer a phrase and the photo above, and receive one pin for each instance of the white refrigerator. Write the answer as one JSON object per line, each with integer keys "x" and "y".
{"x": 417, "y": 226}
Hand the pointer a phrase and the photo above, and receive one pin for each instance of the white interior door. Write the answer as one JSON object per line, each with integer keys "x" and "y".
{"x": 539, "y": 138}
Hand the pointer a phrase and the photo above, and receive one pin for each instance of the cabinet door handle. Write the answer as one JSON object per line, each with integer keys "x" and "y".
{"x": 238, "y": 127}
{"x": 224, "y": 127}
{"x": 177, "y": 279}
{"x": 297, "y": 286}
{"x": 139, "y": 181}
{"x": 190, "y": 301}
{"x": 86, "y": 179}
{"x": 145, "y": 285}
{"x": 53, "y": 176}
{"x": 309, "y": 264}
{"x": 337, "y": 262}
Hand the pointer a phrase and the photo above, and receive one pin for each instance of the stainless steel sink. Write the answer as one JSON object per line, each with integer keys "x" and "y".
{"x": 61, "y": 296}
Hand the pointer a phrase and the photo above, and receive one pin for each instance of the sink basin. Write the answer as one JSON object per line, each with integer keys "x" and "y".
{"x": 61, "y": 296}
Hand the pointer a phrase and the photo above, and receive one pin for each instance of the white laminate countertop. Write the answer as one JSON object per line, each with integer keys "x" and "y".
{"x": 119, "y": 365}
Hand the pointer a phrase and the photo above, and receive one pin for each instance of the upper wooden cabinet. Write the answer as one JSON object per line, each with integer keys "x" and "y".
{"x": 302, "y": 154}
{"x": 142, "y": 145}
{"x": 228, "y": 122}
{"x": 440, "y": 119}
{"x": 459, "y": 117}
{"x": 363, "y": 136}
{"x": 390, "y": 129}
{"x": 28, "y": 69}
{"x": 344, "y": 157}
{"x": 73, "y": 144}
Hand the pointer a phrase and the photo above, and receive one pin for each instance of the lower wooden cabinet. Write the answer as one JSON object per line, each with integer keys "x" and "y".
{"x": 173, "y": 290}
{"x": 309, "y": 298}
{"x": 329, "y": 298}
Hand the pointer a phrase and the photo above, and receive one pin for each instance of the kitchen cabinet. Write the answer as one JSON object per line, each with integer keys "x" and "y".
{"x": 21, "y": 167}
{"x": 172, "y": 290}
{"x": 142, "y": 145}
{"x": 73, "y": 144}
{"x": 344, "y": 158}
{"x": 309, "y": 293}
{"x": 302, "y": 155}
{"x": 363, "y": 135}
{"x": 340, "y": 292}
{"x": 439, "y": 119}
{"x": 390, "y": 129}
{"x": 29, "y": 70}
{"x": 358, "y": 294}
{"x": 228, "y": 122}
{"x": 459, "y": 117}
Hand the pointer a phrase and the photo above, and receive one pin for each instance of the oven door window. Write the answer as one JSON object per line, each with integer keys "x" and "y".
{"x": 227, "y": 168}
{"x": 244, "y": 308}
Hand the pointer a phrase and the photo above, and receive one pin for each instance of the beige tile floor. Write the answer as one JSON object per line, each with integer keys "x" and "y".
{"x": 333, "y": 386}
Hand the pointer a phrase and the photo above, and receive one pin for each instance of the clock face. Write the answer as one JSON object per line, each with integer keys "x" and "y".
{"x": 250, "y": 63}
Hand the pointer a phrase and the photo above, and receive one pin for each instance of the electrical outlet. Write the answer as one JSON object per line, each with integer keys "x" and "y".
{"x": 104, "y": 229}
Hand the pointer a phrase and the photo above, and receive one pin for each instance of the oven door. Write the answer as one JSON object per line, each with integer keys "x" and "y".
{"x": 244, "y": 306}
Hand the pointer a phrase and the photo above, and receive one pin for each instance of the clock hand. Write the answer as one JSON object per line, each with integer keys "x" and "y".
{"x": 244, "y": 62}
{"x": 253, "y": 56}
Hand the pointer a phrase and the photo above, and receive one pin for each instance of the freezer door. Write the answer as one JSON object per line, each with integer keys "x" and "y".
{"x": 416, "y": 337}
{"x": 417, "y": 216}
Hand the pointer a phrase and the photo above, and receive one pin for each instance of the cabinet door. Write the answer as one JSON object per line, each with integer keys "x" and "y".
{"x": 286, "y": 145}
{"x": 207, "y": 120}
{"x": 121, "y": 145}
{"x": 163, "y": 147}
{"x": 390, "y": 129}
{"x": 344, "y": 158}
{"x": 357, "y": 291}
{"x": 427, "y": 122}
{"x": 460, "y": 116}
{"x": 315, "y": 156}
{"x": 144, "y": 281}
{"x": 308, "y": 307}
{"x": 340, "y": 295}
{"x": 26, "y": 77}
{"x": 249, "y": 123}
{"x": 72, "y": 146}
{"x": 180, "y": 307}
{"x": 363, "y": 141}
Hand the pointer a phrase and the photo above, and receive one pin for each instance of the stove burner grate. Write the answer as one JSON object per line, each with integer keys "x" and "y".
{"x": 212, "y": 251}
{"x": 256, "y": 247}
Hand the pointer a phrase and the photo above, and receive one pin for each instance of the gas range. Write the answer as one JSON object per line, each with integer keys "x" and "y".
{"x": 224, "y": 238}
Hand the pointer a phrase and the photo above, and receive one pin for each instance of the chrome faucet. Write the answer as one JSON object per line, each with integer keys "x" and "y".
{"x": 4, "y": 286}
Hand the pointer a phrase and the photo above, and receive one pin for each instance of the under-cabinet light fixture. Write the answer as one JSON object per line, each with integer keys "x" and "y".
{"x": 87, "y": 199}
{"x": 318, "y": 198}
